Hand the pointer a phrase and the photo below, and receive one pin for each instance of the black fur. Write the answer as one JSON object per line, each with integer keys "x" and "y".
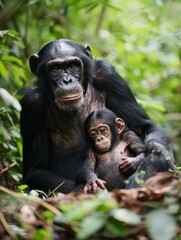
{"x": 46, "y": 166}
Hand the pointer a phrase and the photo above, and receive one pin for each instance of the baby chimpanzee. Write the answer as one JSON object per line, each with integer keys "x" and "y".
{"x": 115, "y": 152}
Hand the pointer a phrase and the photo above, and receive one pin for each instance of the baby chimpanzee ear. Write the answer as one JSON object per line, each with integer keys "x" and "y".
{"x": 120, "y": 125}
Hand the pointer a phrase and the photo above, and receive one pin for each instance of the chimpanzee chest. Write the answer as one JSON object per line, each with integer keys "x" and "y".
{"x": 67, "y": 163}
{"x": 72, "y": 140}
{"x": 107, "y": 167}
{"x": 111, "y": 174}
{"x": 65, "y": 129}
{"x": 67, "y": 146}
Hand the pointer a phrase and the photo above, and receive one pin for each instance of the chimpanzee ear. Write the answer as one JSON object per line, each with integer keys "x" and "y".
{"x": 88, "y": 51}
{"x": 33, "y": 62}
{"x": 120, "y": 125}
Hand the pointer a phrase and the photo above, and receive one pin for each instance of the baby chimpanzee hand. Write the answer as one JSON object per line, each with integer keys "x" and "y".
{"x": 95, "y": 186}
{"x": 128, "y": 165}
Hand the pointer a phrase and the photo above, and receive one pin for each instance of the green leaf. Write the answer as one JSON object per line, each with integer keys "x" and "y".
{"x": 22, "y": 187}
{"x": 151, "y": 104}
{"x": 9, "y": 99}
{"x": 5, "y": 133}
{"x": 116, "y": 227}
{"x": 91, "y": 224}
{"x": 107, "y": 4}
{"x": 3, "y": 71}
{"x": 126, "y": 216}
{"x": 179, "y": 169}
{"x": 12, "y": 59}
{"x": 161, "y": 225}
{"x": 3, "y": 33}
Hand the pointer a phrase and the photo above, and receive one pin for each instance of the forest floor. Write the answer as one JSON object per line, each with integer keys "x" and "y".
{"x": 139, "y": 213}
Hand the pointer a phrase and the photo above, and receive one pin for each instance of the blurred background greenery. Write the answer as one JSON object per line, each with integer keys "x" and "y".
{"x": 141, "y": 38}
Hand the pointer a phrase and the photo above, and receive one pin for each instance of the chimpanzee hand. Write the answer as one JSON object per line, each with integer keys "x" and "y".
{"x": 128, "y": 165}
{"x": 95, "y": 186}
{"x": 158, "y": 149}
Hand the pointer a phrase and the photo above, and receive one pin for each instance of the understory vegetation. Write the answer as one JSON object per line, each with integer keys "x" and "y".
{"x": 142, "y": 39}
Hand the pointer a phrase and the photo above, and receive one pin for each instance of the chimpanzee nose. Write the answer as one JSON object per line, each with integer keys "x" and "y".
{"x": 99, "y": 138}
{"x": 67, "y": 79}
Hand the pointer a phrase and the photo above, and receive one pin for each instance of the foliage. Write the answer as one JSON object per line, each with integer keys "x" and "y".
{"x": 11, "y": 69}
{"x": 136, "y": 37}
{"x": 10, "y": 142}
{"x": 154, "y": 213}
{"x": 142, "y": 39}
{"x": 12, "y": 72}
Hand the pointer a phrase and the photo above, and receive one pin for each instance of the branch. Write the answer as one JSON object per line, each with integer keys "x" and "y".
{"x": 7, "y": 168}
{"x": 100, "y": 20}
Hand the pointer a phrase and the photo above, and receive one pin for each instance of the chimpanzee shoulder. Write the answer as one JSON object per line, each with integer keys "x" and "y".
{"x": 118, "y": 95}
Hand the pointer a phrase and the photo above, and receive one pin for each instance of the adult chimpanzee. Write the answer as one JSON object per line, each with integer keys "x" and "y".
{"x": 115, "y": 152}
{"x": 70, "y": 86}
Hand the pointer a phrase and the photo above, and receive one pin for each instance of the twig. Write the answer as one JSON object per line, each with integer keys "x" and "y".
{"x": 7, "y": 168}
{"x": 6, "y": 226}
{"x": 55, "y": 189}
{"x": 31, "y": 199}
{"x": 100, "y": 20}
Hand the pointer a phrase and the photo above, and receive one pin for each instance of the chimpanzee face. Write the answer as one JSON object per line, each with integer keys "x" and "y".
{"x": 64, "y": 68}
{"x": 102, "y": 130}
{"x": 101, "y": 136}
{"x": 65, "y": 77}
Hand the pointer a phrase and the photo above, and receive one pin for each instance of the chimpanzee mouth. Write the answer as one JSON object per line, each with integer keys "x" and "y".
{"x": 71, "y": 96}
{"x": 104, "y": 148}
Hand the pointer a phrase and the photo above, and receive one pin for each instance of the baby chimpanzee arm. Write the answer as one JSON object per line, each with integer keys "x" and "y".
{"x": 86, "y": 174}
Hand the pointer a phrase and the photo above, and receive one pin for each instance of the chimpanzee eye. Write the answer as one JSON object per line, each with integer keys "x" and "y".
{"x": 56, "y": 67}
{"x": 72, "y": 65}
{"x": 103, "y": 130}
{"x": 93, "y": 134}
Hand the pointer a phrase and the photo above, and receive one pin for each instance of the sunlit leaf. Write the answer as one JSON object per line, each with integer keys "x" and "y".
{"x": 4, "y": 132}
{"x": 3, "y": 71}
{"x": 126, "y": 216}
{"x": 151, "y": 105}
{"x": 3, "y": 33}
{"x": 12, "y": 59}
{"x": 161, "y": 225}
{"x": 9, "y": 99}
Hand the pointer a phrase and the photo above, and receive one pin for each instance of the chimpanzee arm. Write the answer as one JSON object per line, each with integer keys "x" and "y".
{"x": 35, "y": 146}
{"x": 135, "y": 143}
{"x": 129, "y": 164}
{"x": 120, "y": 99}
{"x": 153, "y": 146}
{"x": 86, "y": 174}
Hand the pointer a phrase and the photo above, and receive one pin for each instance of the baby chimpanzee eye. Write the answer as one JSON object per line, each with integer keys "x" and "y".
{"x": 93, "y": 134}
{"x": 103, "y": 130}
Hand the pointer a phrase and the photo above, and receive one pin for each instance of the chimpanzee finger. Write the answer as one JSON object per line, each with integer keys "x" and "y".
{"x": 94, "y": 187}
{"x": 101, "y": 183}
{"x": 124, "y": 165}
{"x": 128, "y": 170}
{"x": 89, "y": 188}
{"x": 86, "y": 189}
